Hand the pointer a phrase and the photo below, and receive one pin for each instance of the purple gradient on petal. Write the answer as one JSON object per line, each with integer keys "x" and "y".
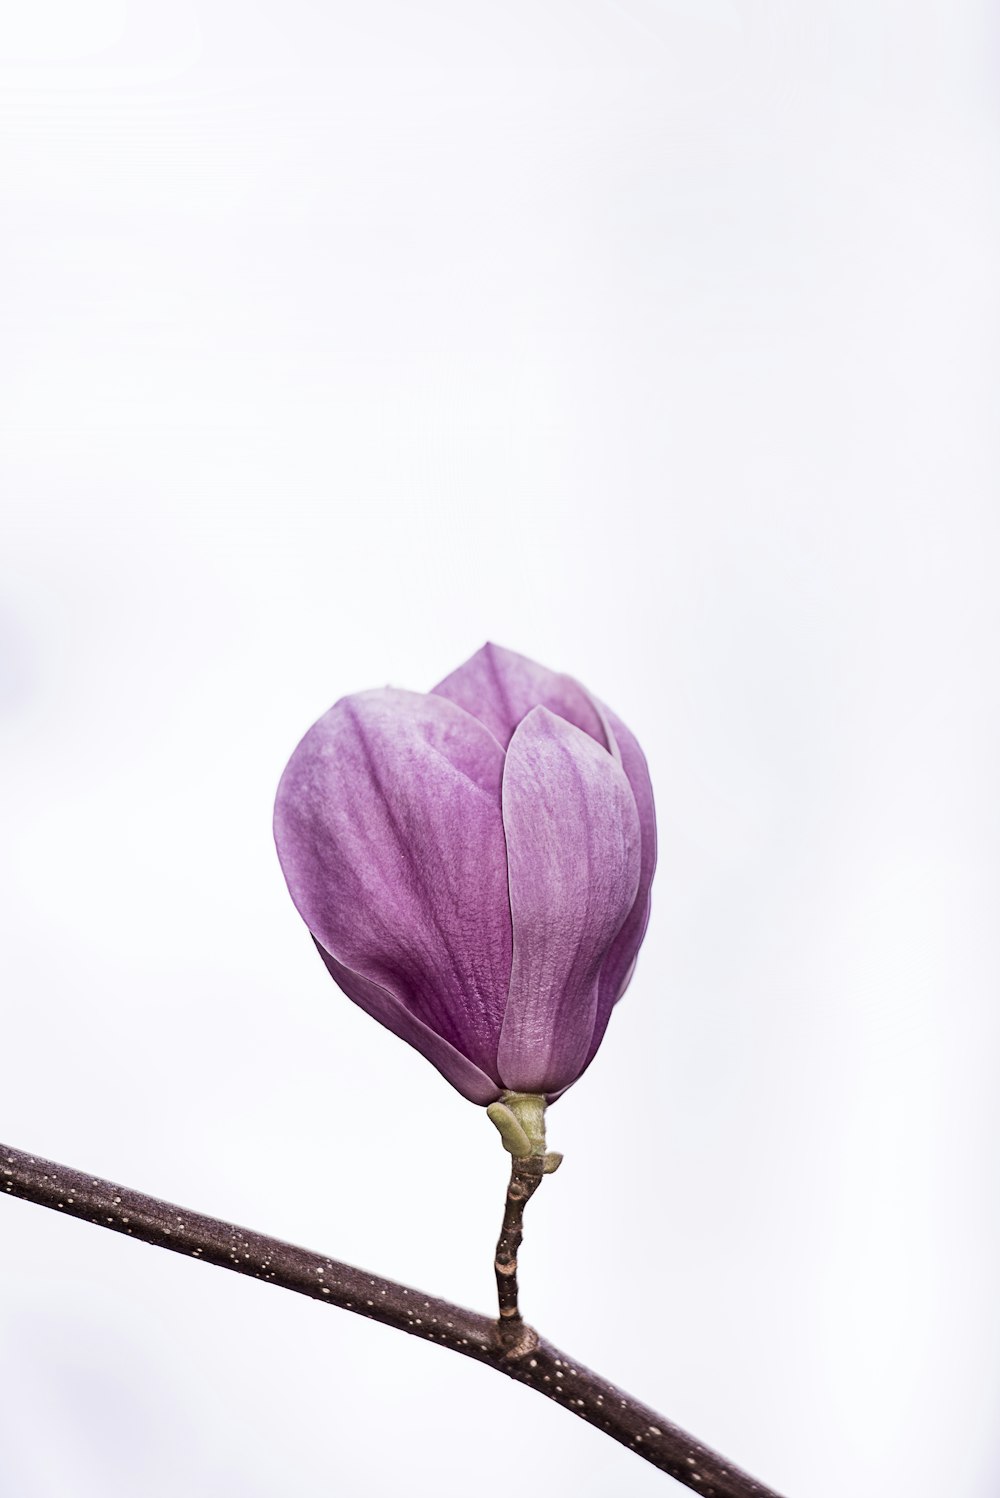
{"x": 573, "y": 850}
{"x": 621, "y": 959}
{"x": 386, "y": 1008}
{"x": 390, "y": 834}
{"x": 500, "y": 688}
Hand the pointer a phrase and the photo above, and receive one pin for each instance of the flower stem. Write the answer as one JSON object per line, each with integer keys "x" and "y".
{"x": 525, "y": 1175}
{"x": 520, "y": 1118}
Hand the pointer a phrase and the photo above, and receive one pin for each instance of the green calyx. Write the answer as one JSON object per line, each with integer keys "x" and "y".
{"x": 520, "y": 1119}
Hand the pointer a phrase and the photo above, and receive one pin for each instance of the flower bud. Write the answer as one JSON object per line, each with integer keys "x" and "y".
{"x": 474, "y": 865}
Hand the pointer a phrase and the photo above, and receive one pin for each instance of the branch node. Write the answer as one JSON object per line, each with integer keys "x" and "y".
{"x": 508, "y": 1344}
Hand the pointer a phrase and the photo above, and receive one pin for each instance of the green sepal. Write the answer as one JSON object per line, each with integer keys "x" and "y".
{"x": 515, "y": 1140}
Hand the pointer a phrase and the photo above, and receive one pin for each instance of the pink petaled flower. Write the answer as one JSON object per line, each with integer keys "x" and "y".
{"x": 474, "y": 864}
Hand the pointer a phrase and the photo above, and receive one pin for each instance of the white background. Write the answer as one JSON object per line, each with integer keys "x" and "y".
{"x": 657, "y": 341}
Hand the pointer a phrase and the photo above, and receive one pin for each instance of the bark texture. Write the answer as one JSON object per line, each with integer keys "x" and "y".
{"x": 522, "y": 1355}
{"x": 525, "y": 1176}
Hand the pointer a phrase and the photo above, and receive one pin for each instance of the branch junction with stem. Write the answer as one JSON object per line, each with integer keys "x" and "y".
{"x": 527, "y": 1358}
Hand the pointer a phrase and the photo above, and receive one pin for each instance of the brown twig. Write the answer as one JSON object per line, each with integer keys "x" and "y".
{"x": 525, "y": 1175}
{"x": 531, "y": 1360}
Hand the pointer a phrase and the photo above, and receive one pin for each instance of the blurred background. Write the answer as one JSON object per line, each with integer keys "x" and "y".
{"x": 655, "y": 339}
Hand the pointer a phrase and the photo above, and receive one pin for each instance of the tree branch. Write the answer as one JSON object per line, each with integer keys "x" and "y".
{"x": 530, "y": 1360}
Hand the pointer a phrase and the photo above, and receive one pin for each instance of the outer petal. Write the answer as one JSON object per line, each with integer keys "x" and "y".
{"x": 573, "y": 851}
{"x": 621, "y": 959}
{"x": 500, "y": 688}
{"x": 386, "y": 1008}
{"x": 389, "y": 831}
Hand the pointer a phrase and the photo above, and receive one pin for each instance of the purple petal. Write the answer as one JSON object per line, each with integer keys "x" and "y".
{"x": 620, "y": 962}
{"x": 573, "y": 857}
{"x": 500, "y": 688}
{"x": 386, "y": 1008}
{"x": 389, "y": 830}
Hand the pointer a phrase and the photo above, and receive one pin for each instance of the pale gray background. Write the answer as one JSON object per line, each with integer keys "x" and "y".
{"x": 657, "y": 341}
